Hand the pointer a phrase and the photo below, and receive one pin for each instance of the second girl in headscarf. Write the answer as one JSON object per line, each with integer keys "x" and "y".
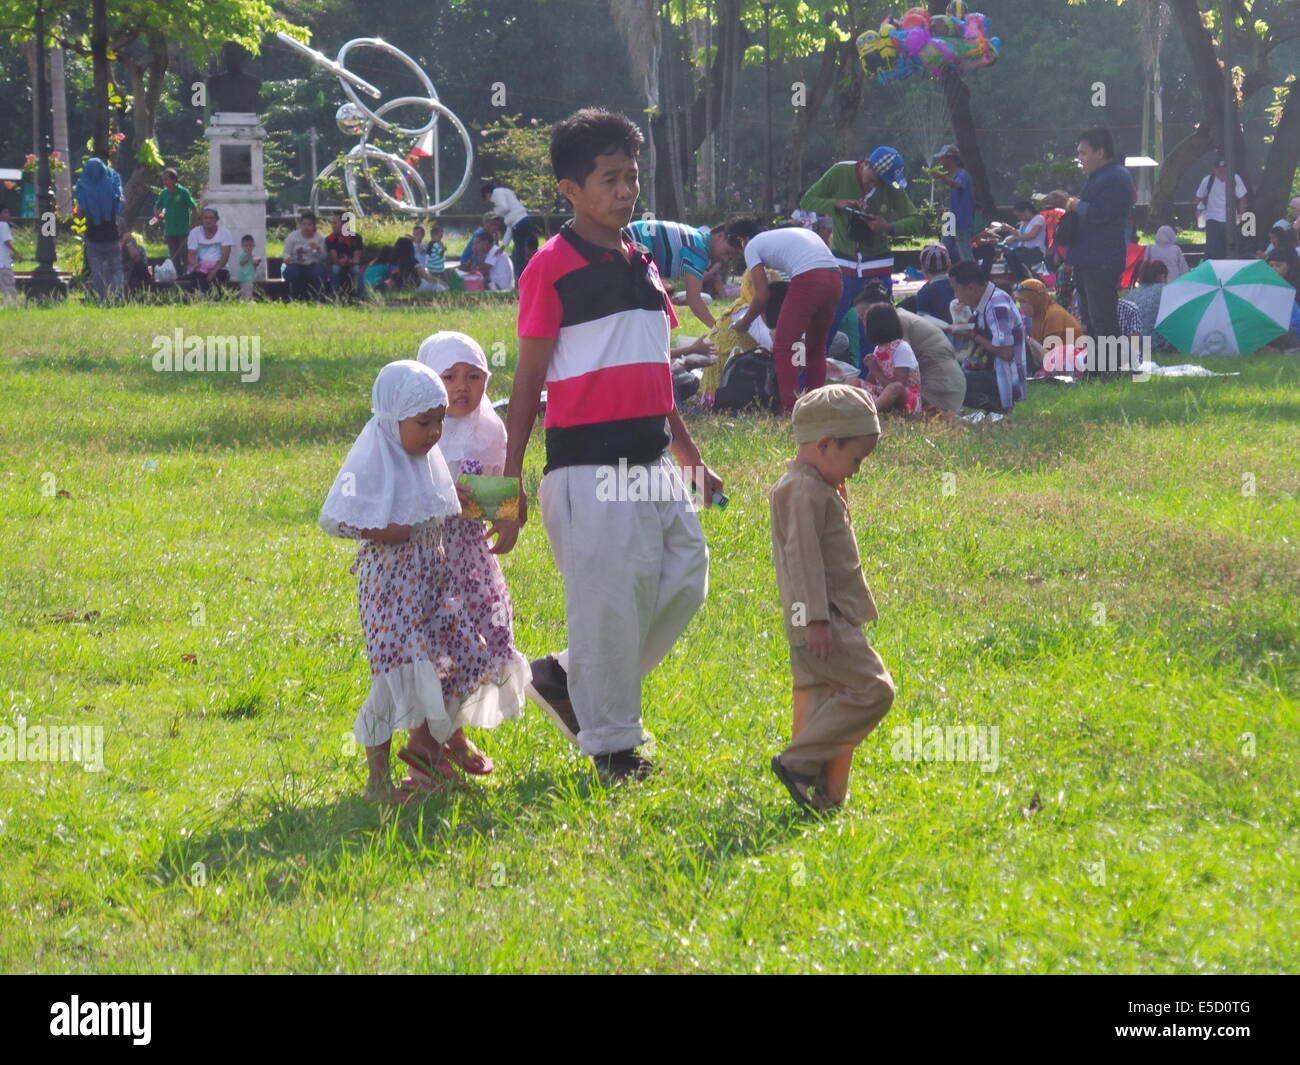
{"x": 483, "y": 675}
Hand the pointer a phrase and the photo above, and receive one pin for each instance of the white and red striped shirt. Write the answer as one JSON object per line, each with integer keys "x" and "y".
{"x": 609, "y": 386}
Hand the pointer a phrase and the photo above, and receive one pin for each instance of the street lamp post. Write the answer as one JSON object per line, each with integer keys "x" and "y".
{"x": 767, "y": 97}
{"x": 45, "y": 282}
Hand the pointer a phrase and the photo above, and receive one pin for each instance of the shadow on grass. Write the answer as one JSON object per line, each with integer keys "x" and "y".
{"x": 296, "y": 846}
{"x": 335, "y": 390}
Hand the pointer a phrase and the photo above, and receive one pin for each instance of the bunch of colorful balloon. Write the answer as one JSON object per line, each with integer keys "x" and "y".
{"x": 958, "y": 40}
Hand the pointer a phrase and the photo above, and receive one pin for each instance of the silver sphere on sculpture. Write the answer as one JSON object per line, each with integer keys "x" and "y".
{"x": 398, "y": 186}
{"x": 350, "y": 119}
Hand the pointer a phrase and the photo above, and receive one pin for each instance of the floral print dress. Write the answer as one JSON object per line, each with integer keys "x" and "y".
{"x": 398, "y": 590}
{"x": 483, "y": 675}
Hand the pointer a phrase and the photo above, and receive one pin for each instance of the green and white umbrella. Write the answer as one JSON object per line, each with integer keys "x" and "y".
{"x": 1225, "y": 307}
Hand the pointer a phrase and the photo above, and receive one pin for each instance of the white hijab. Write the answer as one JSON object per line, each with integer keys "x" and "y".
{"x": 381, "y": 483}
{"x": 481, "y": 434}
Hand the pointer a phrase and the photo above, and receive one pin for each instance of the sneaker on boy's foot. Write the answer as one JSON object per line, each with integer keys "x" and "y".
{"x": 549, "y": 689}
{"x": 612, "y": 768}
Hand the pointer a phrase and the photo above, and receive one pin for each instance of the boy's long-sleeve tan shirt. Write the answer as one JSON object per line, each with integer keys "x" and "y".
{"x": 816, "y": 554}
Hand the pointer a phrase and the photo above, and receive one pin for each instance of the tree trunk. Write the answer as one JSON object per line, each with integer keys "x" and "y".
{"x": 666, "y": 127}
{"x": 146, "y": 84}
{"x": 59, "y": 101}
{"x": 1208, "y": 78}
{"x": 1181, "y": 156}
{"x": 846, "y": 105}
{"x": 706, "y": 171}
{"x": 956, "y": 94}
{"x": 1274, "y": 187}
{"x": 99, "y": 63}
{"x": 804, "y": 117}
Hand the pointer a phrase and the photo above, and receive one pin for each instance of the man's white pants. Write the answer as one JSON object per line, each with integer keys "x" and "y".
{"x": 634, "y": 574}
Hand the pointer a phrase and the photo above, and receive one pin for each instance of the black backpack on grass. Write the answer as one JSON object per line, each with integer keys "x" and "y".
{"x": 748, "y": 382}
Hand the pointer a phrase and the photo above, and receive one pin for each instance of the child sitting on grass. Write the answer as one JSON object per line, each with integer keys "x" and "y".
{"x": 841, "y": 686}
{"x": 893, "y": 374}
{"x": 483, "y": 675}
{"x": 393, "y": 493}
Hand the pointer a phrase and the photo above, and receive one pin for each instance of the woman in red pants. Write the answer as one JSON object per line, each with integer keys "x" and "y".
{"x": 799, "y": 340}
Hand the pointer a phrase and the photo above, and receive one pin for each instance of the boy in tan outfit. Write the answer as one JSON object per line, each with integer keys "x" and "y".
{"x": 841, "y": 685}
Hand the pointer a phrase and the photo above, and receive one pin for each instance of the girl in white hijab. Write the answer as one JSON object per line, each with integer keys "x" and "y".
{"x": 1166, "y": 250}
{"x": 393, "y": 493}
{"x": 483, "y": 674}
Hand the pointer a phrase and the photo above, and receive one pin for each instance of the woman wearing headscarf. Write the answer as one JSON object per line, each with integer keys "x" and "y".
{"x": 1166, "y": 250}
{"x": 99, "y": 198}
{"x": 1044, "y": 318}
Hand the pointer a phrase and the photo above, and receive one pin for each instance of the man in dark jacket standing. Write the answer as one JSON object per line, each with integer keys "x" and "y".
{"x": 1098, "y": 252}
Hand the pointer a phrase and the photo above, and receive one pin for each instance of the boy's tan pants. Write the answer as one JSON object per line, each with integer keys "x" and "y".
{"x": 852, "y": 691}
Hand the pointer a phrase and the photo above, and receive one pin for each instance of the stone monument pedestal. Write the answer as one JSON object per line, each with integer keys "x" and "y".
{"x": 236, "y": 184}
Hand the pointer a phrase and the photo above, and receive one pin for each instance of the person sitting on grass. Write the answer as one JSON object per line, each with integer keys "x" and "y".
{"x": 421, "y": 249}
{"x": 893, "y": 376}
{"x": 378, "y": 271}
{"x": 135, "y": 264}
{"x": 935, "y": 296}
{"x": 304, "y": 257}
{"x": 943, "y": 384}
{"x": 841, "y": 687}
{"x": 344, "y": 250}
{"x": 1284, "y": 262}
{"x": 996, "y": 373}
{"x": 404, "y": 273}
{"x": 1047, "y": 323}
{"x": 209, "y": 247}
{"x": 1152, "y": 279}
{"x": 500, "y": 270}
{"x": 1166, "y": 250}
{"x": 467, "y": 255}
{"x": 1026, "y": 247}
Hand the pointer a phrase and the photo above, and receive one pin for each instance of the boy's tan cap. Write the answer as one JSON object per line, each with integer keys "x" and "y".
{"x": 834, "y": 410}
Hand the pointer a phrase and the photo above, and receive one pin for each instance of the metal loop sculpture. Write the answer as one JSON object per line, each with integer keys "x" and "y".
{"x": 357, "y": 119}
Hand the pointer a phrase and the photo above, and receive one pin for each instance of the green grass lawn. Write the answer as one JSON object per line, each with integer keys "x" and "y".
{"x": 1111, "y": 581}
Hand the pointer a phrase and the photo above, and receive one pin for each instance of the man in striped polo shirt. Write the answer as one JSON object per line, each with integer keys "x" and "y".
{"x": 875, "y": 186}
{"x": 594, "y": 324}
{"x": 684, "y": 253}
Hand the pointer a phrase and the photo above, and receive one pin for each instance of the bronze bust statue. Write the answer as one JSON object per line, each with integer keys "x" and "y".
{"x": 234, "y": 90}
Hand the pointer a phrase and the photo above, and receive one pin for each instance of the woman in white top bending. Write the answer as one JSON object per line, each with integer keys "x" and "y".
{"x": 804, "y": 324}
{"x": 519, "y": 227}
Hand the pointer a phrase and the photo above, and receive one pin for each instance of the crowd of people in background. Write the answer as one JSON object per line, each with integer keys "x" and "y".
{"x": 201, "y": 251}
{"x": 1063, "y": 265}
